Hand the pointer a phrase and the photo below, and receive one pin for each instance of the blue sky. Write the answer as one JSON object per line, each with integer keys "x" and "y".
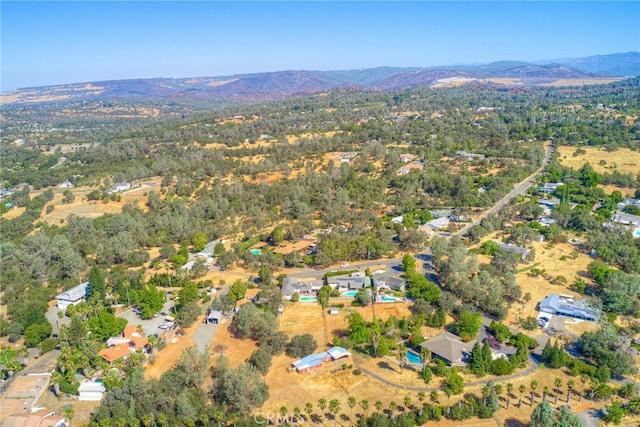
{"x": 50, "y": 42}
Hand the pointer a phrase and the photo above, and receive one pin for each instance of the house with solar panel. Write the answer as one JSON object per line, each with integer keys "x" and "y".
{"x": 315, "y": 361}
{"x": 72, "y": 296}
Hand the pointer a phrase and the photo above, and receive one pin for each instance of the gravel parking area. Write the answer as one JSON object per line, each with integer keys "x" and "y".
{"x": 204, "y": 335}
{"x": 149, "y": 326}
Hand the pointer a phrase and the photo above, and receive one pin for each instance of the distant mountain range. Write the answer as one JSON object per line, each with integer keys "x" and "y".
{"x": 282, "y": 84}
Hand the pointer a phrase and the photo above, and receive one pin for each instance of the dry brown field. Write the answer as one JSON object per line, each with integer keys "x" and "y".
{"x": 608, "y": 189}
{"x": 548, "y": 258}
{"x": 624, "y": 159}
{"x": 292, "y": 139}
{"x": 581, "y": 82}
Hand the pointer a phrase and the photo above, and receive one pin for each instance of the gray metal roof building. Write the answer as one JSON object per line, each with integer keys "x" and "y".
{"x": 568, "y": 306}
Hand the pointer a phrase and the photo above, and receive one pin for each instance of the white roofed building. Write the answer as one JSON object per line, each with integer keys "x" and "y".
{"x": 72, "y": 296}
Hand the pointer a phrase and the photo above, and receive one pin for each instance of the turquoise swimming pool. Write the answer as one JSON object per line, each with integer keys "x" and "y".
{"x": 636, "y": 233}
{"x": 388, "y": 299}
{"x": 350, "y": 293}
{"x": 413, "y": 358}
{"x": 256, "y": 251}
{"x": 308, "y": 299}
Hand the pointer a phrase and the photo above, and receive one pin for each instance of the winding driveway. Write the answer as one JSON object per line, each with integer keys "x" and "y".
{"x": 521, "y": 188}
{"x": 529, "y": 370}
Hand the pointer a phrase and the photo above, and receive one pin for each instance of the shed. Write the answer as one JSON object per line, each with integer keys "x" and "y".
{"x": 334, "y": 311}
{"x": 215, "y": 317}
{"x": 91, "y": 391}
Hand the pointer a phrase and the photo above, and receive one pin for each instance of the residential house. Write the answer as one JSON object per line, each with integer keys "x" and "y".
{"x": 352, "y": 283}
{"x": 469, "y": 156}
{"x": 291, "y": 286}
{"x": 626, "y": 219}
{"x": 524, "y": 252}
{"x": 568, "y": 306}
{"x": 66, "y": 184}
{"x": 406, "y": 158}
{"x": 550, "y": 203}
{"x": 207, "y": 251}
{"x": 315, "y": 361}
{"x": 116, "y": 352}
{"x": 120, "y": 186}
{"x": 41, "y": 418}
{"x": 450, "y": 348}
{"x": 440, "y": 213}
{"x": 397, "y": 219}
{"x": 348, "y": 156}
{"x": 550, "y": 187}
{"x": 121, "y": 347}
{"x": 90, "y": 390}
{"x": 5, "y": 192}
{"x": 407, "y": 168}
{"x": 72, "y": 296}
{"x": 546, "y": 221}
{"x": 386, "y": 281}
{"x": 300, "y": 245}
{"x": 459, "y": 217}
{"x": 438, "y": 223}
{"x": 628, "y": 201}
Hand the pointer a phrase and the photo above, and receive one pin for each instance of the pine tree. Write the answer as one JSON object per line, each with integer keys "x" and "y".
{"x": 476, "y": 360}
{"x": 96, "y": 289}
{"x": 486, "y": 355}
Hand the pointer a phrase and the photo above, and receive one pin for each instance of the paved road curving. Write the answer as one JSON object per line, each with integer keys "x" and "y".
{"x": 529, "y": 370}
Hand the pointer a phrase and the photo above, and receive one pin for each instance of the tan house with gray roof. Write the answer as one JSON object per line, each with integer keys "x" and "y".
{"x": 450, "y": 348}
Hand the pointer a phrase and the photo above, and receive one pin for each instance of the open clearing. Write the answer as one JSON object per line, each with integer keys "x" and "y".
{"x": 557, "y": 259}
{"x": 622, "y": 160}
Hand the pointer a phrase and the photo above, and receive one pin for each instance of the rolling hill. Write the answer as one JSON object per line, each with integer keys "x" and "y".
{"x": 283, "y": 84}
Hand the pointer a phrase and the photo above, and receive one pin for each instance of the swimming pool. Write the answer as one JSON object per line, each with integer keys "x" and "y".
{"x": 308, "y": 299}
{"x": 256, "y": 252}
{"x": 413, "y": 358}
{"x": 350, "y": 293}
{"x": 388, "y": 299}
{"x": 636, "y": 232}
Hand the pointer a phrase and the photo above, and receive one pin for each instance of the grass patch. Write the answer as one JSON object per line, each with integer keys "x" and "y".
{"x": 522, "y": 270}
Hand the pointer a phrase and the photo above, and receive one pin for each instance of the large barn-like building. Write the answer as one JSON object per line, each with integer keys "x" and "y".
{"x": 315, "y": 361}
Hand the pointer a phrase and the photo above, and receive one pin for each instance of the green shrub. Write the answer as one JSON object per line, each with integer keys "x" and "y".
{"x": 48, "y": 345}
{"x": 68, "y": 388}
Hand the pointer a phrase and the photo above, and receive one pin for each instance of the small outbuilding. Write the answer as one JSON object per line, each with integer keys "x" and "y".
{"x": 214, "y": 317}
{"x": 91, "y": 391}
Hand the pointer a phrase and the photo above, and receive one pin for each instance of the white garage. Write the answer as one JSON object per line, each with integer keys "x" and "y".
{"x": 91, "y": 391}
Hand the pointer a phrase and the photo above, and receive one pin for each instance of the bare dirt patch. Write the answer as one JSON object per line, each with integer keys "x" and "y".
{"x": 165, "y": 358}
{"x": 622, "y": 160}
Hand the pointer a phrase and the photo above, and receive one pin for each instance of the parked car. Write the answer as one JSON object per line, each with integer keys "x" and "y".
{"x": 181, "y": 332}
{"x": 542, "y": 321}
